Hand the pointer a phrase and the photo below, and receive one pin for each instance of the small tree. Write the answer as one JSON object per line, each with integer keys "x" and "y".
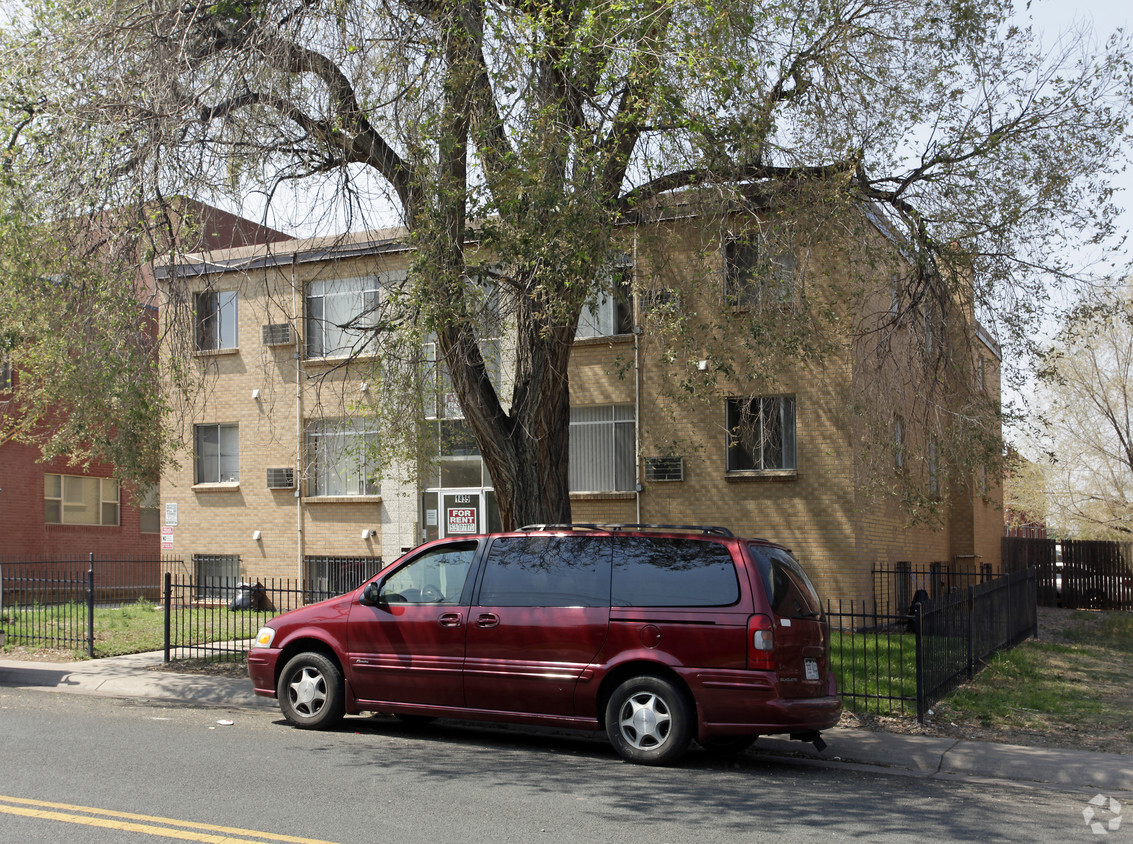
{"x": 1084, "y": 481}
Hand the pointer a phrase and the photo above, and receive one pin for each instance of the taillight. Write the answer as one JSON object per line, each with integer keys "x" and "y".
{"x": 760, "y": 643}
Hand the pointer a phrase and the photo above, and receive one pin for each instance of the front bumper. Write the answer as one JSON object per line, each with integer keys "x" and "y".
{"x": 261, "y": 668}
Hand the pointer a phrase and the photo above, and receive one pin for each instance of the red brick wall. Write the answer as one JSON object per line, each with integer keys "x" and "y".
{"x": 23, "y": 532}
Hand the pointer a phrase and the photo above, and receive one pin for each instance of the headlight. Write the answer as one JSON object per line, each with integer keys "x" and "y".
{"x": 264, "y": 638}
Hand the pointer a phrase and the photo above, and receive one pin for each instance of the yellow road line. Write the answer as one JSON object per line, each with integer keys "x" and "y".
{"x": 125, "y": 821}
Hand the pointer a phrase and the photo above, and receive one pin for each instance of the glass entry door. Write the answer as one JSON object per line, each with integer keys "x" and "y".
{"x": 458, "y": 512}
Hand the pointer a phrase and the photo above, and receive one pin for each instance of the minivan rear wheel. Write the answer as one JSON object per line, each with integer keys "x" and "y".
{"x": 649, "y": 721}
{"x": 310, "y": 692}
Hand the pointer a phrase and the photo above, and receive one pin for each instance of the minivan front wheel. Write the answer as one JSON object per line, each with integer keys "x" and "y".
{"x": 310, "y": 692}
{"x": 649, "y": 721}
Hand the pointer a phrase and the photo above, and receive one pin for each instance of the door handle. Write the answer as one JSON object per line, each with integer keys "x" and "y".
{"x": 450, "y": 619}
{"x": 488, "y": 619}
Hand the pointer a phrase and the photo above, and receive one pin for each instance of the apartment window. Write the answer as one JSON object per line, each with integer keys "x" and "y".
{"x": 5, "y": 374}
{"x": 77, "y": 500}
{"x": 601, "y": 453}
{"x": 341, "y": 316}
{"x": 218, "y": 454}
{"x": 437, "y": 390}
{"x": 933, "y": 469}
{"x": 341, "y": 457}
{"x": 981, "y": 383}
{"x": 761, "y": 433}
{"x": 217, "y": 576}
{"x": 612, "y": 313}
{"x": 216, "y": 320}
{"x": 149, "y": 509}
{"x": 754, "y": 275}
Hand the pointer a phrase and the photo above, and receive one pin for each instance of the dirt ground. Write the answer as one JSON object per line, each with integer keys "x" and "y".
{"x": 1108, "y": 672}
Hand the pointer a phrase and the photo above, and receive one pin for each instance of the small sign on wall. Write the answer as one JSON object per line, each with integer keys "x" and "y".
{"x": 166, "y": 537}
{"x": 171, "y": 513}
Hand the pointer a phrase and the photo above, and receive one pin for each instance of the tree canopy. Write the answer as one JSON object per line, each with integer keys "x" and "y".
{"x": 537, "y": 128}
{"x": 1082, "y": 482}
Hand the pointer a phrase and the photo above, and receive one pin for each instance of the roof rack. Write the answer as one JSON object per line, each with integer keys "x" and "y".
{"x": 705, "y": 529}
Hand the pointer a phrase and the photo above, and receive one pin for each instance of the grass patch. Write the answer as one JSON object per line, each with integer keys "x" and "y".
{"x": 1069, "y": 688}
{"x": 875, "y": 672}
{"x": 134, "y": 628}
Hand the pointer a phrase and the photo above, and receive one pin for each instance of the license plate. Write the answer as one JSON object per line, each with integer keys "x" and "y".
{"x": 811, "y": 666}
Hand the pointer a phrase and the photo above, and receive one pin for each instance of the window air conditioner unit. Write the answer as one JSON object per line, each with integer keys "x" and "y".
{"x": 278, "y": 334}
{"x": 281, "y": 478}
{"x": 664, "y": 469}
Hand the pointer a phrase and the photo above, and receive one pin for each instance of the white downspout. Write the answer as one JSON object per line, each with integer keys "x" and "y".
{"x": 296, "y": 319}
{"x": 637, "y": 486}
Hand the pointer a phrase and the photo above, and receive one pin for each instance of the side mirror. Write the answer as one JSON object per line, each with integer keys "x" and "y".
{"x": 372, "y": 595}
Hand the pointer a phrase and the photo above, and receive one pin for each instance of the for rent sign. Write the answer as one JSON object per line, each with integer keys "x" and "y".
{"x": 461, "y": 520}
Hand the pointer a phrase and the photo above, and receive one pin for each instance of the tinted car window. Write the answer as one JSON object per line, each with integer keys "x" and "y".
{"x": 547, "y": 571}
{"x": 436, "y": 577}
{"x": 660, "y": 572}
{"x": 788, "y": 588}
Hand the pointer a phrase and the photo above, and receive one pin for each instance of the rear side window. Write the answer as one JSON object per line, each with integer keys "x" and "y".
{"x": 789, "y": 590}
{"x": 547, "y": 571}
{"x": 660, "y": 572}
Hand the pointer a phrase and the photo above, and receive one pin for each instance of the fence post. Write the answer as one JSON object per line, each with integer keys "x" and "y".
{"x": 90, "y": 608}
{"x": 168, "y": 609}
{"x": 922, "y": 706}
{"x": 971, "y": 631}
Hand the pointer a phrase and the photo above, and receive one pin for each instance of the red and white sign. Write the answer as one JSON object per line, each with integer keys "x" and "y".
{"x": 461, "y": 520}
{"x": 166, "y": 537}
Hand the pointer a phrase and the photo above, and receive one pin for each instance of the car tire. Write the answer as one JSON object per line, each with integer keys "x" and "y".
{"x": 727, "y": 745}
{"x": 649, "y": 721}
{"x": 310, "y": 691}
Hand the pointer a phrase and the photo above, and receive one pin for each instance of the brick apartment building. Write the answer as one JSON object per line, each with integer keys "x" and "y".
{"x": 274, "y": 481}
{"x": 56, "y": 510}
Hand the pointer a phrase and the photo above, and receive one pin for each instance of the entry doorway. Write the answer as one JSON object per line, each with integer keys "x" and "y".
{"x": 458, "y": 512}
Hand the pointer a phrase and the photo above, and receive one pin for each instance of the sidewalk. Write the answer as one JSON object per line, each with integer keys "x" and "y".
{"x": 1107, "y": 773}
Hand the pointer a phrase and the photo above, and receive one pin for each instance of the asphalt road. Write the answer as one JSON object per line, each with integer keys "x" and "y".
{"x": 94, "y": 769}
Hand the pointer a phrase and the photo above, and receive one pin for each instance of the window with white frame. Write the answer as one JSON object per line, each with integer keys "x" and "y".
{"x": 149, "y": 509}
{"x": 756, "y": 275}
{"x": 342, "y": 457}
{"x": 612, "y": 313}
{"x": 79, "y": 500}
{"x": 341, "y": 315}
{"x": 601, "y": 455}
{"x": 217, "y": 454}
{"x": 216, "y": 319}
{"x": 438, "y": 392}
{"x": 761, "y": 433}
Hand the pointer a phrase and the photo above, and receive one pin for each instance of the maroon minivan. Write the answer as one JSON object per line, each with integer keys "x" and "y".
{"x": 658, "y": 634}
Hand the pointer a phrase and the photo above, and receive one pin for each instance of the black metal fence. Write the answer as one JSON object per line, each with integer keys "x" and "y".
{"x": 52, "y": 603}
{"x": 894, "y": 661}
{"x": 926, "y": 631}
{"x": 222, "y": 625}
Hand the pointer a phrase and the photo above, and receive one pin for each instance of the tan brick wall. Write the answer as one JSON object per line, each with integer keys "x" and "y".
{"x": 815, "y": 511}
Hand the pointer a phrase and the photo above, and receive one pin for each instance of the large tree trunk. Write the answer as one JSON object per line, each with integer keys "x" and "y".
{"x": 525, "y": 448}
